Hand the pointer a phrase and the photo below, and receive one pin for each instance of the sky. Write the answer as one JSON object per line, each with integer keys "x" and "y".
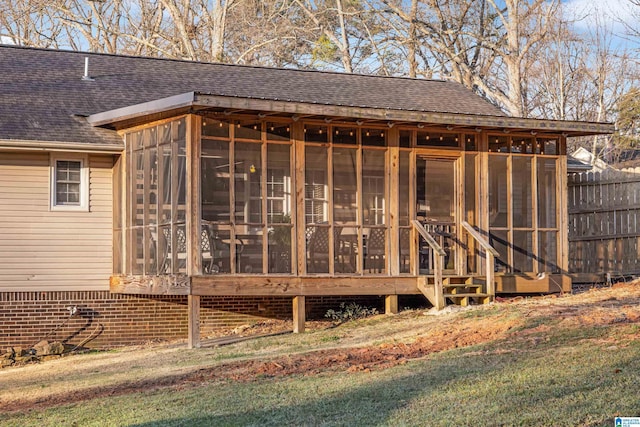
{"x": 610, "y": 12}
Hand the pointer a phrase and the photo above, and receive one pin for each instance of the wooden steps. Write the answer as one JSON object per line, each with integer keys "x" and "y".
{"x": 457, "y": 290}
{"x": 466, "y": 299}
{"x": 465, "y": 290}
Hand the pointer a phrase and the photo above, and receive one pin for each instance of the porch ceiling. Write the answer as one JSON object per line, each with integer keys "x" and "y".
{"x": 192, "y": 102}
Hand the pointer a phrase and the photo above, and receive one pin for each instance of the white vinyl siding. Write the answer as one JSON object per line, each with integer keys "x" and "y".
{"x": 42, "y": 249}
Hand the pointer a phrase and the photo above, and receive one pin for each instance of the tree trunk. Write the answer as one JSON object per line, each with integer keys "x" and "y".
{"x": 218, "y": 25}
{"x": 344, "y": 46}
{"x": 412, "y": 42}
{"x": 180, "y": 19}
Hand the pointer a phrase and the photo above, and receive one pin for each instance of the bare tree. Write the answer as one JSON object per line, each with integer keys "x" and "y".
{"x": 347, "y": 35}
{"x": 321, "y": 14}
{"x": 266, "y": 33}
{"x": 609, "y": 74}
{"x": 29, "y": 23}
{"x": 197, "y": 27}
{"x": 412, "y": 39}
{"x": 190, "y": 29}
{"x": 631, "y": 19}
{"x": 555, "y": 76}
{"x": 483, "y": 44}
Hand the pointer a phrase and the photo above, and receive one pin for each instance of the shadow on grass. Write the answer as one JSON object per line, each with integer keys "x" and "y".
{"x": 374, "y": 402}
{"x": 539, "y": 387}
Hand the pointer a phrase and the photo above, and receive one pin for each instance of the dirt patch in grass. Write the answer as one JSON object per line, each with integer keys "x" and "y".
{"x": 464, "y": 334}
{"x": 265, "y": 327}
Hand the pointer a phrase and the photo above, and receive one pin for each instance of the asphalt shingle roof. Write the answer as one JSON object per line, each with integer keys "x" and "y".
{"x": 43, "y": 96}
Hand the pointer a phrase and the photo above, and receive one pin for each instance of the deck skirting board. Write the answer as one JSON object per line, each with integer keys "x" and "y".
{"x": 309, "y": 286}
{"x": 178, "y": 284}
{"x": 255, "y": 285}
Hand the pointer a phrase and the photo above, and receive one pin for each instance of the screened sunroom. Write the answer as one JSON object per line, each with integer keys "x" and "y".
{"x": 217, "y": 196}
{"x": 221, "y": 196}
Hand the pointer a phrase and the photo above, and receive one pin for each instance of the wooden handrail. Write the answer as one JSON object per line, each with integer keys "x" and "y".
{"x": 490, "y": 258}
{"x": 438, "y": 266}
{"x": 479, "y": 238}
{"x": 428, "y": 238}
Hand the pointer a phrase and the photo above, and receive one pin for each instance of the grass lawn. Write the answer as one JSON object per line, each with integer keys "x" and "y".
{"x": 567, "y": 361}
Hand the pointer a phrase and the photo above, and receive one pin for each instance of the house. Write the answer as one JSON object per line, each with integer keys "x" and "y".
{"x": 583, "y": 162}
{"x": 144, "y": 198}
{"x": 614, "y": 158}
{"x": 574, "y": 165}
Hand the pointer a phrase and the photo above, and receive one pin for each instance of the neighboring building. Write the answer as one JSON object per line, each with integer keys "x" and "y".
{"x": 159, "y": 195}
{"x": 585, "y": 157}
{"x": 576, "y": 166}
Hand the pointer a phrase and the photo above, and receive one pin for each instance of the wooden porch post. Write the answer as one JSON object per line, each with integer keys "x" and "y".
{"x": 393, "y": 177}
{"x": 438, "y": 262}
{"x": 300, "y": 245}
{"x": 562, "y": 189}
{"x": 194, "y": 321}
{"x": 194, "y": 257}
{"x": 391, "y": 304}
{"x": 298, "y": 314}
{"x": 491, "y": 280}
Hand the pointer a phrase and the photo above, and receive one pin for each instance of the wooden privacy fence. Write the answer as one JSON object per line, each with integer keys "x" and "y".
{"x": 604, "y": 224}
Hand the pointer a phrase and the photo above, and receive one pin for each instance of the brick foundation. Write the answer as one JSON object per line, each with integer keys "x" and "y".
{"x": 106, "y": 320}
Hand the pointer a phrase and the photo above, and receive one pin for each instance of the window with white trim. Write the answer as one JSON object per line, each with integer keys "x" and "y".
{"x": 69, "y": 183}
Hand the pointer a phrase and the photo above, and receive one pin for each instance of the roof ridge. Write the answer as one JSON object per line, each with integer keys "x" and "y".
{"x": 265, "y": 67}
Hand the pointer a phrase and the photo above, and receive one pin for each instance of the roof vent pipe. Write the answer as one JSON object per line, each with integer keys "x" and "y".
{"x": 86, "y": 70}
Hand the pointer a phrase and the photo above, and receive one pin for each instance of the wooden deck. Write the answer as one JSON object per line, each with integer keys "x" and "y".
{"x": 438, "y": 289}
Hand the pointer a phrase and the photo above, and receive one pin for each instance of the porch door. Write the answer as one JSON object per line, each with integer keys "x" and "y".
{"x": 437, "y": 199}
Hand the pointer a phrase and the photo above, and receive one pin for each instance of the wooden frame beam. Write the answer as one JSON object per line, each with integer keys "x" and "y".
{"x": 393, "y": 178}
{"x": 168, "y": 284}
{"x": 254, "y": 285}
{"x": 193, "y": 217}
{"x": 193, "y": 302}
{"x": 297, "y": 135}
{"x": 562, "y": 190}
{"x": 391, "y": 304}
{"x": 299, "y": 314}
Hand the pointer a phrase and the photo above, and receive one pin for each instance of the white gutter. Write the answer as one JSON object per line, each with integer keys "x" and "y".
{"x": 79, "y": 147}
